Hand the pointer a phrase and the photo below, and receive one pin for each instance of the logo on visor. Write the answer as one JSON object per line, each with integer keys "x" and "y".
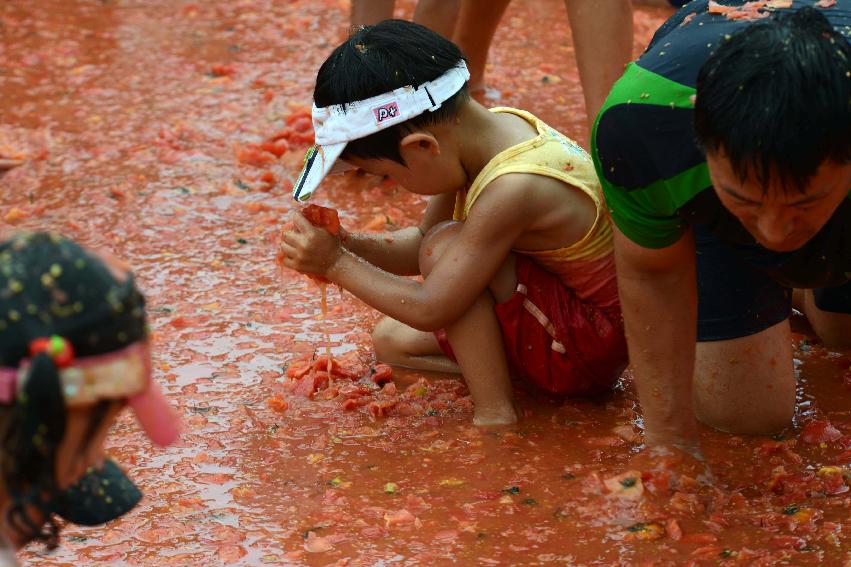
{"x": 386, "y": 112}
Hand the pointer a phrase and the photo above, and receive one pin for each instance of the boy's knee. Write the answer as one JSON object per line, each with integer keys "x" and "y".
{"x": 435, "y": 243}
{"x": 383, "y": 339}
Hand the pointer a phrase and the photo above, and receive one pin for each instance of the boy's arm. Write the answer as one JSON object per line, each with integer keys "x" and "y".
{"x": 461, "y": 274}
{"x": 398, "y": 252}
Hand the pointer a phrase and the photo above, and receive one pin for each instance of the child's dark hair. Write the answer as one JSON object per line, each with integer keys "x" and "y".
{"x": 776, "y": 98}
{"x": 378, "y": 59}
{"x": 51, "y": 286}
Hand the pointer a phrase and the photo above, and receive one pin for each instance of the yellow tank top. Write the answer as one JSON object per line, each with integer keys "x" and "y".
{"x": 586, "y": 266}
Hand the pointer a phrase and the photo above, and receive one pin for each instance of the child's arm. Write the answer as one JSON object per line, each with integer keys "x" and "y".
{"x": 461, "y": 274}
{"x": 398, "y": 252}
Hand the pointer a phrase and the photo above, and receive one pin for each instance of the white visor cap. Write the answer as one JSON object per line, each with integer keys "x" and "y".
{"x": 337, "y": 125}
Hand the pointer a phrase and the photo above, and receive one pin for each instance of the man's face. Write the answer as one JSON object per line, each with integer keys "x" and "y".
{"x": 780, "y": 218}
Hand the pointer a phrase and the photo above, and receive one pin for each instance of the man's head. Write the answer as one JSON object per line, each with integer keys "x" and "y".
{"x": 773, "y": 113}
{"x": 377, "y": 60}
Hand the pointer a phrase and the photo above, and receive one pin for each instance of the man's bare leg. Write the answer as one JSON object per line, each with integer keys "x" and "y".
{"x": 438, "y": 15}
{"x": 746, "y": 385}
{"x": 602, "y": 38}
{"x": 834, "y": 329}
{"x": 477, "y": 23}
{"x": 369, "y": 12}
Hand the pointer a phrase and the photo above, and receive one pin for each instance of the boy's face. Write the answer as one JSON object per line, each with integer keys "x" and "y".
{"x": 427, "y": 169}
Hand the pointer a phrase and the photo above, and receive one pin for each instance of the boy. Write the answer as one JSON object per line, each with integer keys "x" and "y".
{"x": 515, "y": 247}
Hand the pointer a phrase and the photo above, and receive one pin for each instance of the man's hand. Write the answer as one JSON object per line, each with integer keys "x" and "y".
{"x": 658, "y": 291}
{"x": 309, "y": 249}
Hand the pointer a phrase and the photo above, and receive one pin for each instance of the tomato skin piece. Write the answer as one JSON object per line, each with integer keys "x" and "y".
{"x": 277, "y": 403}
{"x": 310, "y": 384}
{"x": 834, "y": 484}
{"x": 673, "y": 529}
{"x": 788, "y": 542}
{"x": 351, "y": 404}
{"x": 382, "y": 374}
{"x": 323, "y": 217}
{"x": 221, "y": 70}
{"x": 380, "y": 409}
{"x": 699, "y": 539}
{"x": 322, "y": 363}
{"x": 819, "y": 431}
{"x": 300, "y": 123}
{"x": 275, "y": 147}
{"x": 254, "y": 155}
{"x": 297, "y": 370}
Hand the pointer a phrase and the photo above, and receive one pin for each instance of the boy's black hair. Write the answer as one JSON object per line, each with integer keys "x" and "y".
{"x": 378, "y": 59}
{"x": 776, "y": 98}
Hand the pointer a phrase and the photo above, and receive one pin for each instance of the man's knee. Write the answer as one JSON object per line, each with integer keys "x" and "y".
{"x": 746, "y": 385}
{"x": 435, "y": 243}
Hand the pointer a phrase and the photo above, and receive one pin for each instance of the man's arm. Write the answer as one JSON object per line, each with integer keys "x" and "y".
{"x": 658, "y": 290}
{"x": 397, "y": 252}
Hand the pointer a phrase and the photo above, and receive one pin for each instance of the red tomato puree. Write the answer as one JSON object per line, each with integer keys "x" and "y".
{"x": 170, "y": 133}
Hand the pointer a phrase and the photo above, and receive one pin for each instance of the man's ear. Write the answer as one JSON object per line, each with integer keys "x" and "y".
{"x": 419, "y": 144}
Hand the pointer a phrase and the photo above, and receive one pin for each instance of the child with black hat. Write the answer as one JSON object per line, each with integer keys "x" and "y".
{"x": 73, "y": 353}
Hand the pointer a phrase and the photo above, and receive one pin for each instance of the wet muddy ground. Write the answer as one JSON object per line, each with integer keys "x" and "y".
{"x": 140, "y": 122}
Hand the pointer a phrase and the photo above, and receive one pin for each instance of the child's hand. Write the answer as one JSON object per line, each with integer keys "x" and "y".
{"x": 307, "y": 248}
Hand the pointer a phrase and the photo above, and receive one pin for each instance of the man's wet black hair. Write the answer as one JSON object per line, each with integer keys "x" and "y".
{"x": 378, "y": 59}
{"x": 776, "y": 98}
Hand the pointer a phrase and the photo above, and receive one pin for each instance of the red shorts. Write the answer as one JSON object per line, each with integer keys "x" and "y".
{"x": 554, "y": 339}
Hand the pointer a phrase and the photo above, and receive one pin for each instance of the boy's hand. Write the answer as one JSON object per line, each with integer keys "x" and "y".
{"x": 309, "y": 249}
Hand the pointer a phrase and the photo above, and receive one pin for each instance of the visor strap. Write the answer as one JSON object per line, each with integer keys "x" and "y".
{"x": 434, "y": 106}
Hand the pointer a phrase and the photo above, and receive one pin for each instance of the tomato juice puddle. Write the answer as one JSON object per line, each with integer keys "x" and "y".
{"x": 170, "y": 134}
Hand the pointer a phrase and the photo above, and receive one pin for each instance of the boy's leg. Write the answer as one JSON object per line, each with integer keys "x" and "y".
{"x": 438, "y": 15}
{"x": 476, "y": 337}
{"x": 829, "y": 312}
{"x": 401, "y": 345}
{"x": 369, "y": 12}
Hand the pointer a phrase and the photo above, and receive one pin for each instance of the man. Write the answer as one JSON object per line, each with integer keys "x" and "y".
{"x": 725, "y": 203}
{"x": 437, "y": 15}
{"x": 600, "y": 63}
